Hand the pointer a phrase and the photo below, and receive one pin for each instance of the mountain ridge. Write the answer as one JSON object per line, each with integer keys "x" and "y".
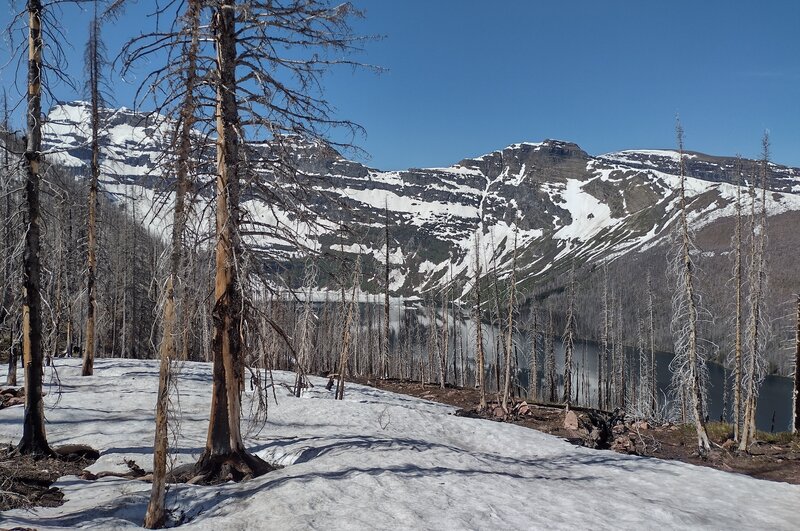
{"x": 560, "y": 203}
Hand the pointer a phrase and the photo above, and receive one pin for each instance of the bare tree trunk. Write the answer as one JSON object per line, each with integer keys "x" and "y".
{"x": 5, "y": 308}
{"x": 569, "y": 339}
{"x": 386, "y": 329}
{"x": 456, "y": 380}
{"x": 509, "y": 339}
{"x": 91, "y": 269}
{"x": 133, "y": 328}
{"x": 796, "y": 387}
{"x": 696, "y": 392}
{"x": 498, "y": 320}
{"x": 458, "y": 343}
{"x": 58, "y": 300}
{"x": 440, "y": 349}
{"x": 619, "y": 349}
{"x": 346, "y": 333}
{"x": 11, "y": 377}
{"x": 602, "y": 356}
{"x": 445, "y": 344}
{"x": 34, "y": 439}
{"x": 757, "y": 288}
{"x": 224, "y": 439}
{"x": 224, "y": 436}
{"x": 155, "y": 515}
{"x": 640, "y": 396}
{"x": 737, "y": 362}
{"x": 652, "y": 332}
{"x": 480, "y": 358}
{"x": 533, "y": 379}
{"x": 550, "y": 362}
{"x": 124, "y": 328}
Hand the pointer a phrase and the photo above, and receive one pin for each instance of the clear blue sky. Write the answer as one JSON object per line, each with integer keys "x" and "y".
{"x": 465, "y": 77}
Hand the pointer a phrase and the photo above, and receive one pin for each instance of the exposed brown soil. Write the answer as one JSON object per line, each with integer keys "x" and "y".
{"x": 26, "y": 481}
{"x": 11, "y": 396}
{"x": 774, "y": 457}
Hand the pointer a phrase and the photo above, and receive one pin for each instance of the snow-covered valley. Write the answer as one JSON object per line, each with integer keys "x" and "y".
{"x": 376, "y": 460}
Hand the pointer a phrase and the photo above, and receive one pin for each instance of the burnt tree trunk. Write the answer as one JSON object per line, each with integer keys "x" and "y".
{"x": 155, "y": 515}
{"x": 91, "y": 270}
{"x": 386, "y": 329}
{"x": 480, "y": 355}
{"x": 5, "y": 309}
{"x": 34, "y": 439}
{"x": 509, "y": 339}
{"x": 796, "y": 388}
{"x": 224, "y": 440}
{"x": 694, "y": 380}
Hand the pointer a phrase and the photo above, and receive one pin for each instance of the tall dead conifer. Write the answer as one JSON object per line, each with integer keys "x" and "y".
{"x": 688, "y": 364}
{"x": 34, "y": 438}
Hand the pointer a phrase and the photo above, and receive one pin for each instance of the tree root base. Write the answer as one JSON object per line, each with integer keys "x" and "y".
{"x": 215, "y": 469}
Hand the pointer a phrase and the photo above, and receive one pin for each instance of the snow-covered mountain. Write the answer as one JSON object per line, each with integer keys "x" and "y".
{"x": 558, "y": 202}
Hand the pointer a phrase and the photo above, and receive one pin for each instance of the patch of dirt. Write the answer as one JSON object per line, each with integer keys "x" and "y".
{"x": 235, "y": 467}
{"x": 11, "y": 396}
{"x": 26, "y": 482}
{"x": 774, "y": 457}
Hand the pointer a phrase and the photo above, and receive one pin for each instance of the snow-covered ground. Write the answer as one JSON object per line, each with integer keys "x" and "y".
{"x": 377, "y": 460}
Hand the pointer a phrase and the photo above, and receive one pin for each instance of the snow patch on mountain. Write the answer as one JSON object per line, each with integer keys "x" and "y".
{"x": 589, "y": 215}
{"x": 635, "y": 155}
{"x": 560, "y": 203}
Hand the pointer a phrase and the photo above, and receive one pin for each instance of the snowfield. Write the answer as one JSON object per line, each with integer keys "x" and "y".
{"x": 377, "y": 460}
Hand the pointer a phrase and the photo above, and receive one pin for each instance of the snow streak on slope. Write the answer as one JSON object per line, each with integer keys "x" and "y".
{"x": 375, "y": 461}
{"x": 418, "y": 212}
{"x": 631, "y": 155}
{"x": 589, "y": 215}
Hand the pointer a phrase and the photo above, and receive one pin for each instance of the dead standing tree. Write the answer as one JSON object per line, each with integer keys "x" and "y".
{"x": 737, "y": 272}
{"x": 533, "y": 378}
{"x": 264, "y": 61}
{"x": 304, "y": 330}
{"x": 9, "y": 176}
{"x": 688, "y": 365}
{"x": 386, "y": 307}
{"x": 509, "y": 329}
{"x": 347, "y": 330}
{"x": 42, "y": 73}
{"x": 94, "y": 62}
{"x": 796, "y": 378}
{"x": 259, "y": 91}
{"x": 603, "y": 399}
{"x": 34, "y": 439}
{"x": 568, "y": 339}
{"x": 551, "y": 381}
{"x": 651, "y": 326}
{"x": 757, "y": 333}
{"x": 480, "y": 355}
{"x": 155, "y": 515}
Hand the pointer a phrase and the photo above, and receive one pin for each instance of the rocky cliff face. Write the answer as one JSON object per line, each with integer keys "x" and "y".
{"x": 560, "y": 204}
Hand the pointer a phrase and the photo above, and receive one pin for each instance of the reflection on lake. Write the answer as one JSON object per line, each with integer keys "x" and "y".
{"x": 774, "y": 402}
